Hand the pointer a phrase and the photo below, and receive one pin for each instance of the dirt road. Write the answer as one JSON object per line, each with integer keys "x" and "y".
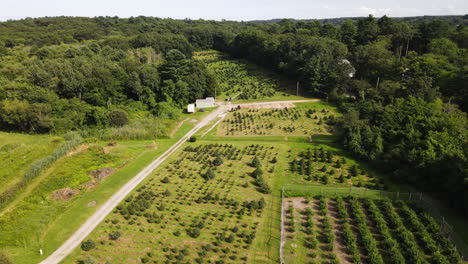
{"x": 93, "y": 221}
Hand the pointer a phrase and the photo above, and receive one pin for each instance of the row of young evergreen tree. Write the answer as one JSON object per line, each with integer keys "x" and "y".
{"x": 405, "y": 108}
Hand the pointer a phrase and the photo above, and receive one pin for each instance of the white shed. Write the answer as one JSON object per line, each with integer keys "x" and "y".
{"x": 191, "y": 108}
{"x": 204, "y": 103}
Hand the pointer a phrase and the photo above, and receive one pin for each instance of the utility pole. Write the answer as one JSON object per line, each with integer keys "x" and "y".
{"x": 407, "y": 47}
{"x": 297, "y": 88}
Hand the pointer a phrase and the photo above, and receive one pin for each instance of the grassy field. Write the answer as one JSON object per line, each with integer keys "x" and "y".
{"x": 351, "y": 230}
{"x": 59, "y": 200}
{"x": 245, "y": 81}
{"x": 305, "y": 119}
{"x": 19, "y": 151}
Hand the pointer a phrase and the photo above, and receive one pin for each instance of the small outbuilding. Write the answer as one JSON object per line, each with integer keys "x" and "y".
{"x": 191, "y": 108}
{"x": 205, "y": 103}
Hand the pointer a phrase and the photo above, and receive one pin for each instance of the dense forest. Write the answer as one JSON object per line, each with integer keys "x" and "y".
{"x": 405, "y": 108}
{"x": 452, "y": 20}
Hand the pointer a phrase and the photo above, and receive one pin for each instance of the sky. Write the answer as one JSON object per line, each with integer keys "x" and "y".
{"x": 230, "y": 10}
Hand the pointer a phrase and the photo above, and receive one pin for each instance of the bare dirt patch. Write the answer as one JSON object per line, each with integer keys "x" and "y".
{"x": 101, "y": 174}
{"x": 153, "y": 145}
{"x": 296, "y": 202}
{"x": 64, "y": 194}
{"x": 91, "y": 204}
{"x": 193, "y": 121}
{"x": 270, "y": 106}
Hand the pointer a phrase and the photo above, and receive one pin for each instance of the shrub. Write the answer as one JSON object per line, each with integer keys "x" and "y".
{"x": 354, "y": 171}
{"x": 167, "y": 193}
{"x": 324, "y": 168}
{"x": 118, "y": 118}
{"x": 257, "y": 173}
{"x": 88, "y": 245}
{"x": 165, "y": 180}
{"x": 114, "y": 235}
{"x": 218, "y": 161}
{"x": 342, "y": 177}
{"x": 192, "y": 139}
{"x": 194, "y": 232}
{"x": 85, "y": 261}
{"x": 230, "y": 238}
{"x": 4, "y": 259}
{"x": 209, "y": 174}
{"x": 165, "y": 110}
{"x": 255, "y": 162}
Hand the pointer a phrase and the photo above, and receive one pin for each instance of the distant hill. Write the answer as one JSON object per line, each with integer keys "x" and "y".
{"x": 452, "y": 20}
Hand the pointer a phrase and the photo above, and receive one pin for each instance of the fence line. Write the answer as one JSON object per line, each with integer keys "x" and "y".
{"x": 282, "y": 228}
{"x": 295, "y": 190}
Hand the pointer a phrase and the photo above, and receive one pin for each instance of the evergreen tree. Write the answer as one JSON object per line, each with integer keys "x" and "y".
{"x": 255, "y": 162}
{"x": 209, "y": 174}
{"x": 258, "y": 172}
{"x": 217, "y": 161}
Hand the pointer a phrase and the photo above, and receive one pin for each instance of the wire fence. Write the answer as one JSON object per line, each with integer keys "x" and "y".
{"x": 282, "y": 228}
{"x": 296, "y": 190}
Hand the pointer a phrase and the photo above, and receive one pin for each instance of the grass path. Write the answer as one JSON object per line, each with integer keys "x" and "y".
{"x": 177, "y": 127}
{"x": 266, "y": 247}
